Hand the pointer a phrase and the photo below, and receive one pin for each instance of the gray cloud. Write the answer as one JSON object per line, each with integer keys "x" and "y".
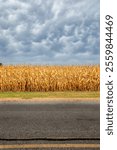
{"x": 49, "y": 32}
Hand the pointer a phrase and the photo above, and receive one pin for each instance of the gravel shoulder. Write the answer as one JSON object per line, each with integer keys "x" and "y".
{"x": 49, "y": 100}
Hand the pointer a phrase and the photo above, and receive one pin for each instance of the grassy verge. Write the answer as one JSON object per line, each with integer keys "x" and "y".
{"x": 29, "y": 95}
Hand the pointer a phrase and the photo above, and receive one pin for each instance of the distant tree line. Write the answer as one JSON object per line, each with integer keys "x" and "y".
{"x": 1, "y": 64}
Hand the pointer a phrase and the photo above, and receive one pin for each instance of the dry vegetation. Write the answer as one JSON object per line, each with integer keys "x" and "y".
{"x": 49, "y": 78}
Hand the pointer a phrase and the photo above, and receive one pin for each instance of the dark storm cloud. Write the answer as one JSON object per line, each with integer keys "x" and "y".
{"x": 49, "y": 32}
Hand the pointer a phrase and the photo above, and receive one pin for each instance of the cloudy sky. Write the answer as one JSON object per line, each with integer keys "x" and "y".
{"x": 49, "y": 32}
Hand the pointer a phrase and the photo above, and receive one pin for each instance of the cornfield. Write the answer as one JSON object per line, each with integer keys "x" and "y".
{"x": 49, "y": 78}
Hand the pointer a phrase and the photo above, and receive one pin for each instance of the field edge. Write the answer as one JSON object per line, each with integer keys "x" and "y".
{"x": 51, "y": 95}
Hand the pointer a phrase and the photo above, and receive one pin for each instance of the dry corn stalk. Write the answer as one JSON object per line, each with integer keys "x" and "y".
{"x": 49, "y": 78}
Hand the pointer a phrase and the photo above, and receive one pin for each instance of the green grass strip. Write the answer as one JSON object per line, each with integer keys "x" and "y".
{"x": 67, "y": 94}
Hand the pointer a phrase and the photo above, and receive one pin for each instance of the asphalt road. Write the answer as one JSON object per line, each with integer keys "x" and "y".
{"x": 66, "y": 125}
